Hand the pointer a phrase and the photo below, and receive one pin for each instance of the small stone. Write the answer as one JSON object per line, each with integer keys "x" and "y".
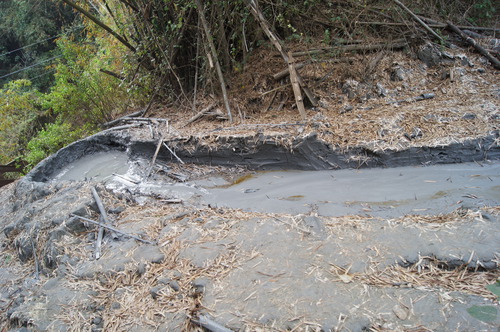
{"x": 97, "y": 321}
{"x": 174, "y": 285}
{"x": 398, "y": 74}
{"x": 400, "y": 312}
{"x": 155, "y": 292}
{"x": 115, "y": 305}
{"x": 141, "y": 268}
{"x": 381, "y": 91}
{"x": 469, "y": 116}
{"x": 199, "y": 285}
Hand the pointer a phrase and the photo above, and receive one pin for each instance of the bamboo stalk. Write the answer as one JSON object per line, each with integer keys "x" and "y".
{"x": 101, "y": 24}
{"x": 216, "y": 58}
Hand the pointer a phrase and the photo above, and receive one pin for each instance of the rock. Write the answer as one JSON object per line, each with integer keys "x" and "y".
{"x": 155, "y": 292}
{"x": 349, "y": 88}
{"x": 24, "y": 247}
{"x": 75, "y": 225}
{"x": 469, "y": 116}
{"x": 199, "y": 285}
{"x": 174, "y": 285}
{"x": 431, "y": 55}
{"x": 381, "y": 91}
{"x": 398, "y": 74}
{"x": 148, "y": 253}
{"x": 141, "y": 268}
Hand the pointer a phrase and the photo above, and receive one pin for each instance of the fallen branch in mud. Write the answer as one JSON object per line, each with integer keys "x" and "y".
{"x": 104, "y": 218}
{"x": 154, "y": 158}
{"x": 173, "y": 153}
{"x": 474, "y": 44}
{"x": 113, "y": 229}
{"x": 210, "y": 325}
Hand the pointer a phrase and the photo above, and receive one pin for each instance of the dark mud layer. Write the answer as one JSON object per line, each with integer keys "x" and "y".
{"x": 269, "y": 153}
{"x": 310, "y": 153}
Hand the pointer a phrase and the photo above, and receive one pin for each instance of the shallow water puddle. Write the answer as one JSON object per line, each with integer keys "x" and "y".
{"x": 97, "y": 166}
{"x": 380, "y": 192}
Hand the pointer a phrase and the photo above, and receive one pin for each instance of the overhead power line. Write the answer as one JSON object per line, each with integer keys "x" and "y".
{"x": 41, "y": 41}
{"x": 34, "y": 65}
{"x": 21, "y": 48}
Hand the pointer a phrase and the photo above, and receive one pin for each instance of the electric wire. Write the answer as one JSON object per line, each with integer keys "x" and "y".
{"x": 31, "y": 66}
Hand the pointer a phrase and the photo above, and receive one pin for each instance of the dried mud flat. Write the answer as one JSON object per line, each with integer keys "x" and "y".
{"x": 252, "y": 271}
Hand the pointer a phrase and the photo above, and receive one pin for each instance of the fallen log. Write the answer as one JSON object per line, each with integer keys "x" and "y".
{"x": 474, "y": 44}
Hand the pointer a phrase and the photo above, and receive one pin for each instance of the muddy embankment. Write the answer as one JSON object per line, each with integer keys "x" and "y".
{"x": 246, "y": 270}
{"x": 260, "y": 152}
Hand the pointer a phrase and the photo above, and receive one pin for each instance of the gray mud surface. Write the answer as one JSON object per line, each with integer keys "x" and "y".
{"x": 397, "y": 249}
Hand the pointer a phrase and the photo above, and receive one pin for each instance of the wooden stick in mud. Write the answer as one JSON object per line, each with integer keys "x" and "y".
{"x": 474, "y": 44}
{"x": 205, "y": 322}
{"x": 104, "y": 218}
{"x": 101, "y": 225}
{"x": 173, "y": 153}
{"x": 154, "y": 157}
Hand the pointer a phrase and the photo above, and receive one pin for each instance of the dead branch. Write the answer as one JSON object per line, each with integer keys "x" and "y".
{"x": 422, "y": 23}
{"x": 212, "y": 326}
{"x": 399, "y": 43}
{"x": 288, "y": 57}
{"x": 173, "y": 153}
{"x": 474, "y": 44}
{"x": 101, "y": 225}
{"x": 199, "y": 115}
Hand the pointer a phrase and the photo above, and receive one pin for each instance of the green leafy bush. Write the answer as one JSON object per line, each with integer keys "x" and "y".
{"x": 20, "y": 106}
{"x": 54, "y": 137}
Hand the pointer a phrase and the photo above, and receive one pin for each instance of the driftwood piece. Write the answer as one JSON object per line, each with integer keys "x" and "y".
{"x": 474, "y": 44}
{"x": 213, "y": 50}
{"x": 212, "y": 326}
{"x": 111, "y": 228}
{"x": 422, "y": 23}
{"x": 35, "y": 257}
{"x": 199, "y": 115}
